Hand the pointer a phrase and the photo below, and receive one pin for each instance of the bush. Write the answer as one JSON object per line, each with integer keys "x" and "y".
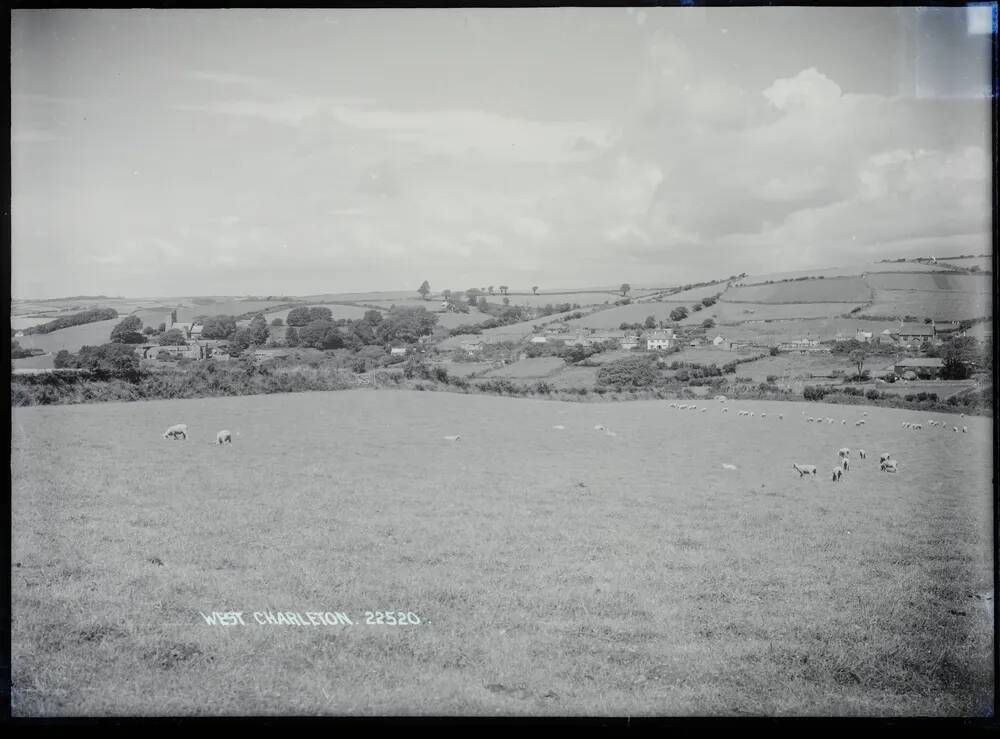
{"x": 639, "y": 371}
{"x": 809, "y": 392}
{"x": 77, "y": 319}
{"x": 873, "y": 394}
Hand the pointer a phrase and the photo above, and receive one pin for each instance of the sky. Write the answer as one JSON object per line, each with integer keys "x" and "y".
{"x": 274, "y": 152}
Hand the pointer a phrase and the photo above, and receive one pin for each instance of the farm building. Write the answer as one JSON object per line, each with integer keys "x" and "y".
{"x": 539, "y": 340}
{"x": 865, "y": 336}
{"x": 473, "y": 347}
{"x": 886, "y": 338}
{"x": 630, "y": 341}
{"x": 659, "y": 339}
{"x": 270, "y": 353}
{"x": 720, "y": 342}
{"x": 800, "y": 345}
{"x": 930, "y": 365}
{"x": 914, "y": 334}
{"x": 397, "y": 351}
{"x": 947, "y": 330}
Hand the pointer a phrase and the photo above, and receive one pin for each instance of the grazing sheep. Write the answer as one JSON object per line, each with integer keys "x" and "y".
{"x": 955, "y": 429}
{"x": 175, "y": 431}
{"x": 883, "y": 457}
{"x": 780, "y": 416}
{"x": 560, "y": 427}
{"x": 843, "y": 421}
{"x": 918, "y": 426}
{"x": 962, "y": 415}
{"x": 889, "y": 465}
{"x": 611, "y": 433}
{"x": 809, "y": 420}
{"x": 751, "y": 413}
{"x": 763, "y": 415}
{"x": 965, "y": 429}
{"x": 704, "y": 410}
{"x": 864, "y": 413}
{"x": 837, "y": 472}
{"x": 844, "y": 452}
{"x": 224, "y": 437}
{"x": 804, "y": 469}
{"x": 673, "y": 405}
{"x": 861, "y": 422}
{"x": 725, "y": 410}
{"x": 861, "y": 453}
{"x": 846, "y": 464}
{"x": 728, "y": 466}
{"x": 456, "y": 437}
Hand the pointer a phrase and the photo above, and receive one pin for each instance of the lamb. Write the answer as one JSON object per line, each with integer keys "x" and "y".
{"x": 883, "y": 457}
{"x": 456, "y": 437}
{"x": 846, "y": 464}
{"x": 844, "y": 452}
{"x": 224, "y": 437}
{"x": 861, "y": 453}
{"x": 804, "y": 469}
{"x": 837, "y": 472}
{"x": 889, "y": 465}
{"x": 965, "y": 429}
{"x": 175, "y": 431}
{"x": 600, "y": 427}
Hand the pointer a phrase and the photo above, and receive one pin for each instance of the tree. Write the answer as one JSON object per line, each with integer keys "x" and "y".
{"x": 956, "y": 358}
{"x": 277, "y": 322}
{"x": 446, "y": 294}
{"x": 320, "y": 313}
{"x": 858, "y": 357}
{"x": 148, "y": 331}
{"x": 483, "y": 304}
{"x": 218, "y": 327}
{"x": 127, "y": 331}
{"x": 708, "y": 323}
{"x": 161, "y": 328}
{"x": 708, "y": 302}
{"x": 320, "y": 335}
{"x": 241, "y": 340}
{"x": 506, "y": 301}
{"x": 490, "y": 288}
{"x": 697, "y": 307}
{"x": 259, "y": 330}
{"x": 504, "y": 289}
{"x": 424, "y": 289}
{"x": 291, "y": 336}
{"x": 406, "y": 325}
{"x": 16, "y": 352}
{"x": 678, "y": 314}
{"x": 534, "y": 290}
{"x": 173, "y": 337}
{"x": 625, "y": 288}
{"x": 637, "y": 371}
{"x": 298, "y": 316}
{"x": 107, "y": 361}
{"x": 650, "y": 322}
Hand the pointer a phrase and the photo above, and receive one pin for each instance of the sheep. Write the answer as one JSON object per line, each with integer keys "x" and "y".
{"x": 918, "y": 426}
{"x": 600, "y": 427}
{"x": 844, "y": 452}
{"x": 704, "y": 410}
{"x": 837, "y": 472}
{"x": 843, "y": 421}
{"x": 809, "y": 420}
{"x": 804, "y": 469}
{"x": 780, "y": 416}
{"x": 560, "y": 427}
{"x": 456, "y": 437}
{"x": 725, "y": 410}
{"x": 673, "y": 405}
{"x": 224, "y": 437}
{"x": 763, "y": 415}
{"x": 883, "y": 457}
{"x": 864, "y": 413}
{"x": 846, "y": 464}
{"x": 726, "y": 466}
{"x": 965, "y": 429}
{"x": 889, "y": 465}
{"x": 955, "y": 429}
{"x": 904, "y": 424}
{"x": 862, "y": 453}
{"x": 751, "y": 413}
{"x": 177, "y": 430}
{"x": 861, "y": 422}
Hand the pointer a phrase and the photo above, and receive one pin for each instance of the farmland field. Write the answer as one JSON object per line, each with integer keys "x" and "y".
{"x": 72, "y": 338}
{"x": 513, "y": 332}
{"x": 832, "y": 290}
{"x": 787, "y": 330}
{"x": 531, "y": 368}
{"x": 847, "y": 271}
{"x": 338, "y": 311}
{"x": 971, "y": 285}
{"x": 984, "y": 263}
{"x": 729, "y": 313}
{"x": 940, "y": 305}
{"x": 42, "y": 361}
{"x": 797, "y": 366}
{"x": 695, "y": 293}
{"x": 542, "y": 583}
{"x": 225, "y": 308}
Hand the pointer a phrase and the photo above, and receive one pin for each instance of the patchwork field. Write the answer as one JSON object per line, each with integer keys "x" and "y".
{"x": 338, "y": 311}
{"x": 797, "y": 366}
{"x": 551, "y": 572}
{"x": 967, "y": 284}
{"x": 695, "y": 293}
{"x": 848, "y": 271}
{"x": 827, "y": 290}
{"x": 513, "y": 332}
{"x": 224, "y": 308}
{"x": 984, "y": 263}
{"x": 529, "y": 368}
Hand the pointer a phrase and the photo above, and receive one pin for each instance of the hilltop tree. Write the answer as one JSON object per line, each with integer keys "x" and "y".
{"x": 277, "y": 322}
{"x": 650, "y": 322}
{"x": 259, "y": 329}
{"x": 127, "y": 331}
{"x": 490, "y": 288}
{"x": 504, "y": 289}
{"x": 534, "y": 290}
{"x": 506, "y": 301}
{"x": 678, "y": 314}
{"x": 320, "y": 334}
{"x": 625, "y": 288}
{"x": 446, "y": 294}
{"x": 708, "y": 323}
{"x": 424, "y": 289}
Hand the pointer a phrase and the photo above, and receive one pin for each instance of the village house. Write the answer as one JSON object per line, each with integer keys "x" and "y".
{"x": 886, "y": 338}
{"x": 919, "y": 365}
{"x": 473, "y": 347}
{"x": 865, "y": 336}
{"x": 659, "y": 339}
{"x": 397, "y": 351}
{"x": 799, "y": 345}
{"x": 539, "y": 340}
{"x": 719, "y": 342}
{"x": 629, "y": 342}
{"x": 914, "y": 334}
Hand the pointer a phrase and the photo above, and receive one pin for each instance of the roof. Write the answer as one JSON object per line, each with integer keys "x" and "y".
{"x": 947, "y": 327}
{"x": 920, "y": 362}
{"x": 915, "y": 329}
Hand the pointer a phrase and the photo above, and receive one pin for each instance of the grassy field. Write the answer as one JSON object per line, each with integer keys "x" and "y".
{"x": 733, "y": 313}
{"x": 529, "y": 368}
{"x": 826, "y": 328}
{"x": 984, "y": 263}
{"x": 224, "y": 307}
{"x": 848, "y": 271}
{"x": 831, "y": 290}
{"x": 968, "y": 284}
{"x": 696, "y": 293}
{"x": 940, "y": 305}
{"x": 72, "y": 338}
{"x": 339, "y": 311}
{"x": 796, "y": 366}
{"x": 553, "y": 572}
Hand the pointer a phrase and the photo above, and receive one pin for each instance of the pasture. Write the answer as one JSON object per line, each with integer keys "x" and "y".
{"x": 224, "y": 307}
{"x": 969, "y": 284}
{"x": 531, "y": 368}
{"x": 72, "y": 338}
{"x": 732, "y": 313}
{"x": 847, "y": 271}
{"x": 351, "y": 312}
{"x": 798, "y": 366}
{"x": 553, "y": 572}
{"x": 831, "y": 290}
{"x": 940, "y": 305}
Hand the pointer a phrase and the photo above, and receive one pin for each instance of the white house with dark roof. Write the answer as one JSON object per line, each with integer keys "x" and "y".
{"x": 659, "y": 339}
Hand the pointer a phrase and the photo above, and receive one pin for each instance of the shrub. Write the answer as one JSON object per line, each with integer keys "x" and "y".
{"x": 639, "y": 371}
{"x": 873, "y": 394}
{"x": 810, "y": 392}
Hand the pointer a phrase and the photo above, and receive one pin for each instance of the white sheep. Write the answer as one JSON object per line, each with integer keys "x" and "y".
{"x": 780, "y": 416}
{"x": 862, "y": 453}
{"x": 224, "y": 437}
{"x": 763, "y": 415}
{"x": 861, "y": 422}
{"x": 889, "y": 465}
{"x": 559, "y": 427}
{"x": 844, "y": 452}
{"x": 725, "y": 410}
{"x": 843, "y": 421}
{"x": 456, "y": 437}
{"x": 804, "y": 469}
{"x": 846, "y": 464}
{"x": 175, "y": 431}
{"x": 837, "y": 472}
{"x": 726, "y": 466}
{"x": 965, "y": 429}
{"x": 883, "y": 457}
{"x": 955, "y": 429}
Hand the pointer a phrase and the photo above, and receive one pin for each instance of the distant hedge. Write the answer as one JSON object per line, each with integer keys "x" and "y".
{"x": 76, "y": 319}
